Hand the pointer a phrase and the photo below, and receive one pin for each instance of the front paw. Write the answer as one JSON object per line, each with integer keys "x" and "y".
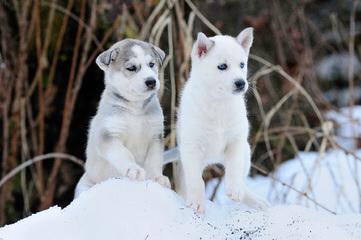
{"x": 256, "y": 202}
{"x": 135, "y": 173}
{"x": 197, "y": 207}
{"x": 163, "y": 180}
{"x": 235, "y": 192}
{"x": 259, "y": 203}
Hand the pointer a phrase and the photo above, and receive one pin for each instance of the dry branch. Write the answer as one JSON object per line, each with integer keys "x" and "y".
{"x": 36, "y": 159}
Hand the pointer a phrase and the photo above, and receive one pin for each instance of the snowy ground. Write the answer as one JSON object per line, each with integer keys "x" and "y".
{"x": 124, "y": 209}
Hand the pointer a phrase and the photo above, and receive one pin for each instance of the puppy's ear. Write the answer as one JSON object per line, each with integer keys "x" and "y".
{"x": 160, "y": 54}
{"x": 203, "y": 44}
{"x": 104, "y": 59}
{"x": 245, "y": 38}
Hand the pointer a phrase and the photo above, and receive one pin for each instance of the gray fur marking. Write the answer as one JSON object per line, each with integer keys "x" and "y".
{"x": 125, "y": 51}
{"x": 106, "y": 136}
{"x": 148, "y": 100}
{"x": 120, "y": 97}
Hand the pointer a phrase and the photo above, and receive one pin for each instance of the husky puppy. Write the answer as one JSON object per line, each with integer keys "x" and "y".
{"x": 212, "y": 119}
{"x": 125, "y": 137}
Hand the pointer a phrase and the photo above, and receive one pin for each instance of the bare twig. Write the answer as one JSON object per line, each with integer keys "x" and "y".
{"x": 295, "y": 83}
{"x": 290, "y": 187}
{"x": 351, "y": 47}
{"x": 41, "y": 112}
{"x": 202, "y": 18}
{"x": 145, "y": 30}
{"x": 104, "y": 40}
{"x": 24, "y": 155}
{"x": 37, "y": 159}
{"x": 57, "y": 49}
{"x": 68, "y": 13}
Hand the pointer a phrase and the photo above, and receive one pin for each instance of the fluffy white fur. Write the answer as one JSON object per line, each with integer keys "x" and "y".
{"x": 212, "y": 122}
{"x": 126, "y": 135}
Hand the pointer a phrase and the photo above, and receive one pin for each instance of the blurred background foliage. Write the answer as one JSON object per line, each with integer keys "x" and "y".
{"x": 305, "y": 61}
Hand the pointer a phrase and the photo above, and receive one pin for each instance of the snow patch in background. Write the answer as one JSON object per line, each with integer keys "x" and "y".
{"x": 124, "y": 209}
{"x": 348, "y": 128}
{"x": 335, "y": 66}
{"x": 341, "y": 97}
{"x": 332, "y": 181}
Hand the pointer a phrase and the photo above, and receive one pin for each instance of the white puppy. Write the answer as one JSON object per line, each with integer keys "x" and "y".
{"x": 126, "y": 135}
{"x": 212, "y": 120}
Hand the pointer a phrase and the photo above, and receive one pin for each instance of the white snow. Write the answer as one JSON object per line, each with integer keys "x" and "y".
{"x": 124, "y": 209}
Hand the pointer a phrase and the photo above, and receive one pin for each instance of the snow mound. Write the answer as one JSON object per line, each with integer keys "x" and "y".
{"x": 124, "y": 209}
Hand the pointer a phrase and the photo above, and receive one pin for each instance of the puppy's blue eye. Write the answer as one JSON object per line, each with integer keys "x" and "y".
{"x": 222, "y": 67}
{"x": 151, "y": 64}
{"x": 132, "y": 68}
{"x": 242, "y": 65}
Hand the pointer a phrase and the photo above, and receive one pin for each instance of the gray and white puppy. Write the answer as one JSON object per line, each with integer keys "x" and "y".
{"x": 125, "y": 137}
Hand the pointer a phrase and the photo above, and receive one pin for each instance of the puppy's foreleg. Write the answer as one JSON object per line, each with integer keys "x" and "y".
{"x": 238, "y": 163}
{"x": 153, "y": 164}
{"x": 122, "y": 159}
{"x": 237, "y": 168}
{"x": 193, "y": 182}
{"x": 82, "y": 185}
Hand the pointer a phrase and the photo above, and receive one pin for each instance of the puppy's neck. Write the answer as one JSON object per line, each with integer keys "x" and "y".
{"x": 116, "y": 101}
{"x": 119, "y": 97}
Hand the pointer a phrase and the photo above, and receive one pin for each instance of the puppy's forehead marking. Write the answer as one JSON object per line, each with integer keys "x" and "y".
{"x": 138, "y": 51}
{"x": 126, "y": 52}
{"x": 133, "y": 52}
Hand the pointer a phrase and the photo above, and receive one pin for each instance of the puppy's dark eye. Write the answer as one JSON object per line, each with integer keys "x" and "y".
{"x": 132, "y": 68}
{"x": 222, "y": 67}
{"x": 151, "y": 64}
{"x": 242, "y": 65}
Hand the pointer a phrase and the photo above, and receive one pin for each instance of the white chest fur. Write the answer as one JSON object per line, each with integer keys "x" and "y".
{"x": 211, "y": 124}
{"x": 135, "y": 132}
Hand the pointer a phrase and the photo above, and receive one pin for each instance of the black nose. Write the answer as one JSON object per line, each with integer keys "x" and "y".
{"x": 150, "y": 82}
{"x": 240, "y": 84}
